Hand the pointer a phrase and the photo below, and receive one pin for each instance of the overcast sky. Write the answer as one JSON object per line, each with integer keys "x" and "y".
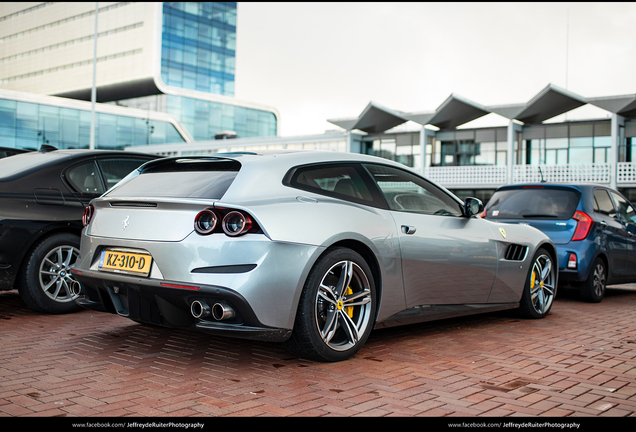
{"x": 314, "y": 61}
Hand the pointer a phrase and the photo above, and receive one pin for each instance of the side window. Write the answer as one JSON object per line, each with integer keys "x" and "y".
{"x": 117, "y": 168}
{"x": 337, "y": 180}
{"x": 603, "y": 203}
{"x": 85, "y": 178}
{"x": 624, "y": 209}
{"x": 404, "y": 191}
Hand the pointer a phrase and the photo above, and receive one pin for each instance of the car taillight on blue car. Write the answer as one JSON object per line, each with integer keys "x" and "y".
{"x": 583, "y": 225}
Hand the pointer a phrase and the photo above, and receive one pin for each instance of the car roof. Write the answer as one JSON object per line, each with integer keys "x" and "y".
{"x": 285, "y": 159}
{"x": 24, "y": 163}
{"x": 579, "y": 187}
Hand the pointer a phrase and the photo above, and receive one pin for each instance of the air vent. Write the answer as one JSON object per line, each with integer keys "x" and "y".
{"x": 516, "y": 252}
{"x": 132, "y": 204}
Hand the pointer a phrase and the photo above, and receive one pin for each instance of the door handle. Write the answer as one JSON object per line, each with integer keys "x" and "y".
{"x": 406, "y": 229}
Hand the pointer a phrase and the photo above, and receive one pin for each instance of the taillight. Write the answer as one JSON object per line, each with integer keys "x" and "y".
{"x": 205, "y": 222}
{"x": 88, "y": 214}
{"x": 232, "y": 222}
{"x": 583, "y": 225}
{"x": 236, "y": 223}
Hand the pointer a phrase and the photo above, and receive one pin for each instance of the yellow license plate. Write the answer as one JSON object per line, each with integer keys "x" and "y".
{"x": 125, "y": 262}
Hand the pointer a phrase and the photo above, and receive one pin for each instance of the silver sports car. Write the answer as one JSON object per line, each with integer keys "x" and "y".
{"x": 313, "y": 249}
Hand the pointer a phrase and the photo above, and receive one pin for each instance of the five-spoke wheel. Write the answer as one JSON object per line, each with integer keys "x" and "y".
{"x": 337, "y": 308}
{"x": 540, "y": 288}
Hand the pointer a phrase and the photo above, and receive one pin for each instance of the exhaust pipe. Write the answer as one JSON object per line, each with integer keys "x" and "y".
{"x": 200, "y": 309}
{"x": 75, "y": 288}
{"x": 222, "y": 312}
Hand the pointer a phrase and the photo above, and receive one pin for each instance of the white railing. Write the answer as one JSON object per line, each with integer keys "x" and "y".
{"x": 580, "y": 173}
{"x": 468, "y": 175}
{"x": 625, "y": 172}
{"x": 495, "y": 176}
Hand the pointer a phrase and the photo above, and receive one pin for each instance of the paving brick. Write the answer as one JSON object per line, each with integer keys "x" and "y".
{"x": 571, "y": 364}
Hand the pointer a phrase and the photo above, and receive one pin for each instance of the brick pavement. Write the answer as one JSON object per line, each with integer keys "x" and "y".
{"x": 578, "y": 362}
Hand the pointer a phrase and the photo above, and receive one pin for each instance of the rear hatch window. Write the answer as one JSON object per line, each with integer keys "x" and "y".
{"x": 533, "y": 203}
{"x": 180, "y": 178}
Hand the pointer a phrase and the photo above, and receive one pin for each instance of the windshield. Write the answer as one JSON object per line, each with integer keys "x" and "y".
{"x": 181, "y": 178}
{"x": 535, "y": 202}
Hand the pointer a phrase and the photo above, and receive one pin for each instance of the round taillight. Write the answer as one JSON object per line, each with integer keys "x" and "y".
{"x": 205, "y": 222}
{"x": 88, "y": 214}
{"x": 236, "y": 223}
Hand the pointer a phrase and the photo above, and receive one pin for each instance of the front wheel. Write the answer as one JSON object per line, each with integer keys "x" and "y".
{"x": 540, "y": 287}
{"x": 45, "y": 279}
{"x": 336, "y": 310}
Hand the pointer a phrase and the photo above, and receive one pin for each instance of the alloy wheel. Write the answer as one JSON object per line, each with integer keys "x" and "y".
{"x": 343, "y": 305}
{"x": 542, "y": 287}
{"x": 55, "y": 273}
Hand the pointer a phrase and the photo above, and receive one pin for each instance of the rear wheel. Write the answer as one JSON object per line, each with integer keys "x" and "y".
{"x": 540, "y": 287}
{"x": 336, "y": 310}
{"x": 593, "y": 289}
{"x": 45, "y": 280}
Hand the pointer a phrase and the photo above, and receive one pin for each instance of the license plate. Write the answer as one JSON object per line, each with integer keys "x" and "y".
{"x": 125, "y": 262}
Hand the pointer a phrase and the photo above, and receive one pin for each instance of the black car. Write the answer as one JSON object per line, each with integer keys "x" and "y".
{"x": 9, "y": 151}
{"x": 592, "y": 226}
{"x": 42, "y": 199}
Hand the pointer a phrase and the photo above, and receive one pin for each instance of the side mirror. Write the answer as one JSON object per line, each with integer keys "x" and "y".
{"x": 472, "y": 206}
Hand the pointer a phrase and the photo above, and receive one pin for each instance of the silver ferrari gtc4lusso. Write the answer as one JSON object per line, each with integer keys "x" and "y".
{"x": 313, "y": 249}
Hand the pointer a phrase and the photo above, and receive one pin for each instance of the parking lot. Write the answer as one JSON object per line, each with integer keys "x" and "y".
{"x": 580, "y": 361}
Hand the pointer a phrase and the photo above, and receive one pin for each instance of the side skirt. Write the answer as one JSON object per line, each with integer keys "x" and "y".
{"x": 425, "y": 313}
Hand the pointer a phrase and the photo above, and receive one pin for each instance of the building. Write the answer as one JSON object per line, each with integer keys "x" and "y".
{"x": 474, "y": 161}
{"x": 175, "y": 57}
{"x": 29, "y": 120}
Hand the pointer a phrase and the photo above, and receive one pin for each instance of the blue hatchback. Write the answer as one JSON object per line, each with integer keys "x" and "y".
{"x": 593, "y": 228}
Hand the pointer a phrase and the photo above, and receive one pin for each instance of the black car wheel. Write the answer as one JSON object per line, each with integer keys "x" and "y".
{"x": 336, "y": 310}
{"x": 540, "y": 288}
{"x": 45, "y": 280}
{"x": 593, "y": 289}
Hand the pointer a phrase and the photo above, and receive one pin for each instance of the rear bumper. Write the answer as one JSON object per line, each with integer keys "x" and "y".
{"x": 585, "y": 252}
{"x": 259, "y": 278}
{"x": 168, "y": 304}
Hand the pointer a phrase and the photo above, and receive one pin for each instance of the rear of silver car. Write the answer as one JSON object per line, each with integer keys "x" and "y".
{"x": 149, "y": 244}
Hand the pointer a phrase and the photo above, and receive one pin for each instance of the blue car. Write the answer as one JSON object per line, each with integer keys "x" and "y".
{"x": 592, "y": 226}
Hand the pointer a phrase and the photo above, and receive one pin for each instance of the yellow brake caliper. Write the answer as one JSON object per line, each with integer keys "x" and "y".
{"x": 349, "y": 309}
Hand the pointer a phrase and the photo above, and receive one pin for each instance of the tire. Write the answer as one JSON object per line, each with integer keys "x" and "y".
{"x": 337, "y": 308}
{"x": 45, "y": 278}
{"x": 593, "y": 289}
{"x": 540, "y": 287}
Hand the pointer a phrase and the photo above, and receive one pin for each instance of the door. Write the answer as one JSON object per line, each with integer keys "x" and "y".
{"x": 613, "y": 231}
{"x": 446, "y": 257}
{"x": 627, "y": 218}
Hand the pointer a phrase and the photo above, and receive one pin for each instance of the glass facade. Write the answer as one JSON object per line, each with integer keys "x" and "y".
{"x": 403, "y": 148}
{"x": 204, "y": 119}
{"x": 583, "y": 143}
{"x": 471, "y": 147}
{"x": 29, "y": 125}
{"x": 199, "y": 45}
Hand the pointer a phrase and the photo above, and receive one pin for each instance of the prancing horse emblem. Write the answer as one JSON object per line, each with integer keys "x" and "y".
{"x": 125, "y": 222}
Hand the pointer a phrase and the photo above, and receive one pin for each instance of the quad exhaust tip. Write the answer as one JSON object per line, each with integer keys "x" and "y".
{"x": 219, "y": 311}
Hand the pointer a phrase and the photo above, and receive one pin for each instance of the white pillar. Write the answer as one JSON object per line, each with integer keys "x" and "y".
{"x": 617, "y": 122}
{"x": 91, "y": 144}
{"x": 424, "y": 134}
{"x": 510, "y": 154}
